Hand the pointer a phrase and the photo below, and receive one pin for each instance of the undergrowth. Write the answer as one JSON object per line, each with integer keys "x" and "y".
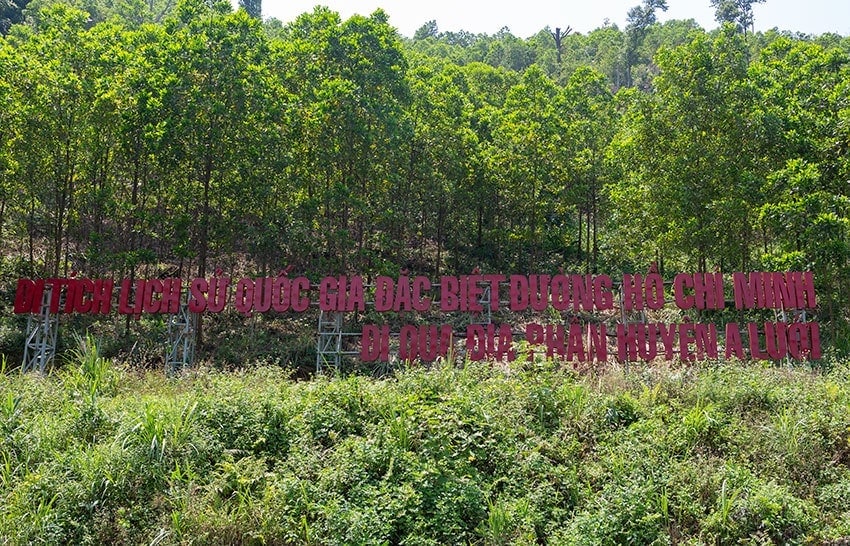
{"x": 481, "y": 454}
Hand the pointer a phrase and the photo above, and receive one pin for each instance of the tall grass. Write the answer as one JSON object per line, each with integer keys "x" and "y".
{"x": 722, "y": 454}
{"x": 86, "y": 370}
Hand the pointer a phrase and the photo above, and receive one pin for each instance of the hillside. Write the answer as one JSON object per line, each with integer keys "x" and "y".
{"x": 202, "y": 141}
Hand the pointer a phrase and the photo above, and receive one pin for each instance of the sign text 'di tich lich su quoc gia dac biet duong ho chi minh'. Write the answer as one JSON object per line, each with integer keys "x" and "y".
{"x": 578, "y": 340}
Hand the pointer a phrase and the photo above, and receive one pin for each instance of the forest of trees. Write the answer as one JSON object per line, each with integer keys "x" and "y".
{"x": 142, "y": 135}
{"x": 181, "y": 138}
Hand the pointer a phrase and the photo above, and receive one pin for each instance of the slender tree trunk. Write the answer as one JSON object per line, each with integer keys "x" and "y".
{"x": 595, "y": 207}
{"x": 440, "y": 220}
{"x": 588, "y": 254}
{"x": 479, "y": 236}
{"x": 2, "y": 216}
{"x": 30, "y": 235}
{"x": 580, "y": 232}
{"x": 203, "y": 246}
{"x": 63, "y": 203}
{"x": 203, "y": 239}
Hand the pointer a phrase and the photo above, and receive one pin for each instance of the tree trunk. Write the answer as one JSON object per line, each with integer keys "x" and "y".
{"x": 580, "y": 232}
{"x": 440, "y": 220}
{"x": 595, "y": 207}
{"x": 203, "y": 243}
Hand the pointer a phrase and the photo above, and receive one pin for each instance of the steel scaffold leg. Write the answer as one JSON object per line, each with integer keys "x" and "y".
{"x": 42, "y": 333}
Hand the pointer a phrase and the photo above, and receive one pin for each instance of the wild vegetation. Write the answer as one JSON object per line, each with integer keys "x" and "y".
{"x": 527, "y": 454}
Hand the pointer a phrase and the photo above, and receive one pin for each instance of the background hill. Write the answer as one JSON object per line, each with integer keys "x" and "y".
{"x": 147, "y": 139}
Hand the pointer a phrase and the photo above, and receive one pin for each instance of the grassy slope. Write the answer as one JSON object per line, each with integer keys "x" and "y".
{"x": 483, "y": 455}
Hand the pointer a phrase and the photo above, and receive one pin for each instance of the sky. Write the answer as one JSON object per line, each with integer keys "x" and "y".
{"x": 525, "y": 18}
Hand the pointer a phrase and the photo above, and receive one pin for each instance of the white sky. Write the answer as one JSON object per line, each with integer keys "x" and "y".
{"x": 526, "y": 17}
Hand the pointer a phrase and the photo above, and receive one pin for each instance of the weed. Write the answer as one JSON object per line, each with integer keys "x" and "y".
{"x": 699, "y": 423}
{"x": 9, "y": 469}
{"x": 725, "y": 503}
{"x": 498, "y": 520}
{"x": 622, "y": 411}
{"x": 788, "y": 430}
{"x": 10, "y": 412}
{"x": 150, "y": 432}
{"x": 91, "y": 373}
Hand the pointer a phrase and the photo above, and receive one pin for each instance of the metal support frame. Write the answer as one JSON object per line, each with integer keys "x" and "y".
{"x": 485, "y": 316}
{"x": 329, "y": 341}
{"x": 329, "y": 346}
{"x": 181, "y": 340}
{"x": 633, "y": 316}
{"x": 330, "y": 349}
{"x": 796, "y": 315}
{"x": 42, "y": 334}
